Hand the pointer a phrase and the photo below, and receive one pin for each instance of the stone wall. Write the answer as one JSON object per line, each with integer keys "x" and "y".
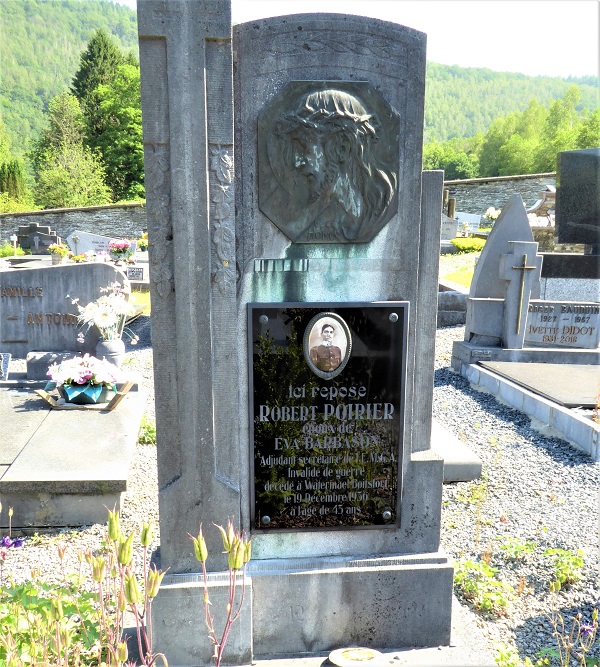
{"x": 476, "y": 195}
{"x": 128, "y": 220}
{"x": 121, "y": 221}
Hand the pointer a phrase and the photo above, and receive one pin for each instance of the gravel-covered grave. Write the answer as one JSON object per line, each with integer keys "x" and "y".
{"x": 536, "y": 493}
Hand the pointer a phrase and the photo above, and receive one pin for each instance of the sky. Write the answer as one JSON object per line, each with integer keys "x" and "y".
{"x": 533, "y": 37}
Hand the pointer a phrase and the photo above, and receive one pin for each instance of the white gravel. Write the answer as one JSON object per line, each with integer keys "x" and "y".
{"x": 533, "y": 488}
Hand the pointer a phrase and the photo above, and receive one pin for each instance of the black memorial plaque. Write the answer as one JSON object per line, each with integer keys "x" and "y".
{"x": 326, "y": 411}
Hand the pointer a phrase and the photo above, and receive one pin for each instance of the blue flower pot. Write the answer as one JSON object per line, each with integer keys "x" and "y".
{"x": 86, "y": 394}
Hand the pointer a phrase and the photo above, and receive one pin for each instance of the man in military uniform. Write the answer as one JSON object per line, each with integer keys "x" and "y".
{"x": 326, "y": 357}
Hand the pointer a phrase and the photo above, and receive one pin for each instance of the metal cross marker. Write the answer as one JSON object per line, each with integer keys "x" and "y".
{"x": 523, "y": 267}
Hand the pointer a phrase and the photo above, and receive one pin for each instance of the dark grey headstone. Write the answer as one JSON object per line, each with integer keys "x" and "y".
{"x": 578, "y": 196}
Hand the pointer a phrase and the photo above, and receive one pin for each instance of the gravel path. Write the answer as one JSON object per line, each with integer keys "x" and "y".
{"x": 533, "y": 488}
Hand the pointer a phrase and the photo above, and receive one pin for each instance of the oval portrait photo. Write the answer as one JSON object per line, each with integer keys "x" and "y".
{"x": 327, "y": 345}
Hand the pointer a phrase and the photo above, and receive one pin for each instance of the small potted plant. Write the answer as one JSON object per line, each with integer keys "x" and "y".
{"x": 83, "y": 380}
{"x": 120, "y": 251}
{"x": 58, "y": 252}
{"x": 142, "y": 242}
{"x": 107, "y": 313}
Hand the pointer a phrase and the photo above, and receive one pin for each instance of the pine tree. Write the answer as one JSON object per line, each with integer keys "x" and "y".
{"x": 98, "y": 65}
{"x": 12, "y": 180}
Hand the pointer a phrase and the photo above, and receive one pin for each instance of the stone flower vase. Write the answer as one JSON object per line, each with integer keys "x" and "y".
{"x": 111, "y": 350}
{"x": 57, "y": 259}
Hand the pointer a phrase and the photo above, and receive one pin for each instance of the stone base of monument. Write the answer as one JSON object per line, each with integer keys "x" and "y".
{"x": 63, "y": 467}
{"x": 460, "y": 463}
{"x": 309, "y": 605}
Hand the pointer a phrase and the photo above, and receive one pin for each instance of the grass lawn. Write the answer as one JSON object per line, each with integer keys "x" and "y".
{"x": 458, "y": 268}
{"x": 141, "y": 301}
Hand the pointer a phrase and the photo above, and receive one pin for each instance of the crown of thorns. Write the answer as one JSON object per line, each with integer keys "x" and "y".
{"x": 330, "y": 108}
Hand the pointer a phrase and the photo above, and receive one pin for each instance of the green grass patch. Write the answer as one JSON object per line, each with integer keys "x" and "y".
{"x": 7, "y": 250}
{"x": 141, "y": 301}
{"x": 461, "y": 277}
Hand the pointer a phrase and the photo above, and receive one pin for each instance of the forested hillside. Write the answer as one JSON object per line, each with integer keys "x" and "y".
{"x": 461, "y": 102}
{"x": 41, "y": 42}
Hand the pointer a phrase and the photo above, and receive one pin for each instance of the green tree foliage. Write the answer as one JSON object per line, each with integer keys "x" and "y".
{"x": 67, "y": 172}
{"x": 40, "y": 46}
{"x": 457, "y": 157}
{"x": 65, "y": 126}
{"x": 12, "y": 179}
{"x": 119, "y": 136}
{"x": 98, "y": 65}
{"x": 462, "y": 102}
{"x": 521, "y": 143}
{"x": 73, "y": 176}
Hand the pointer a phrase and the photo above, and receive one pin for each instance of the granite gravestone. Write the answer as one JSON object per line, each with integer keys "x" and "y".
{"x": 36, "y": 238}
{"x": 310, "y": 232}
{"x": 36, "y": 313}
{"x": 578, "y": 198}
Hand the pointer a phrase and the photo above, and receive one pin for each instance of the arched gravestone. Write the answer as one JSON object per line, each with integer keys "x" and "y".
{"x": 248, "y": 230}
{"x": 328, "y": 161}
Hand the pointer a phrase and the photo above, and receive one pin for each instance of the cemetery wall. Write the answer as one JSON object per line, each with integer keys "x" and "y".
{"x": 129, "y": 220}
{"x": 123, "y": 220}
{"x": 476, "y": 195}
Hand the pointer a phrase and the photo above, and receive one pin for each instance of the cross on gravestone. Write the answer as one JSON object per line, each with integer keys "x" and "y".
{"x": 522, "y": 269}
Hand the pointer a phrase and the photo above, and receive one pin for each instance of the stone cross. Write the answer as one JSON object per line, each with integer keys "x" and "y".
{"x": 521, "y": 269}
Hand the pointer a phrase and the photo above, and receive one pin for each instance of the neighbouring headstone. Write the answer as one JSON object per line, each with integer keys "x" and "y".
{"x": 468, "y": 222}
{"x": 504, "y": 309}
{"x": 449, "y": 228}
{"x": 578, "y": 198}
{"x": 338, "y": 272}
{"x": 82, "y": 242}
{"x": 37, "y": 238}
{"x": 563, "y": 324}
{"x": 36, "y": 313}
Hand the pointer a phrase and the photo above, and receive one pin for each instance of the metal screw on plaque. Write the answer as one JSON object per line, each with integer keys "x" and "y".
{"x": 386, "y": 515}
{"x": 263, "y": 319}
{"x": 393, "y": 317}
{"x": 265, "y": 520}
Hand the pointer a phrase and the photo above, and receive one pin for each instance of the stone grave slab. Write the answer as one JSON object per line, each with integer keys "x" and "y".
{"x": 571, "y": 385}
{"x": 64, "y": 467}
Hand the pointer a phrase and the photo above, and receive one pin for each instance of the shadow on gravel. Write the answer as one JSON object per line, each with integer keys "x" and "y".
{"x": 560, "y": 450}
{"x": 141, "y": 327}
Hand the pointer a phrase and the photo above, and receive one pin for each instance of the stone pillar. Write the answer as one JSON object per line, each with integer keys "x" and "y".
{"x": 188, "y": 143}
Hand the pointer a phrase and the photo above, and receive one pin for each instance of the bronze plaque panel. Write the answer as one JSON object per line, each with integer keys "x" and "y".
{"x": 326, "y": 406}
{"x": 328, "y": 161}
